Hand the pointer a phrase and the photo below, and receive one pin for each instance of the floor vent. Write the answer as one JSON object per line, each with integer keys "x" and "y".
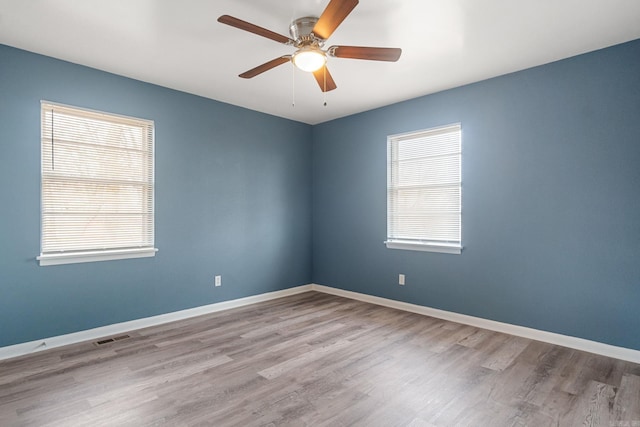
{"x": 112, "y": 339}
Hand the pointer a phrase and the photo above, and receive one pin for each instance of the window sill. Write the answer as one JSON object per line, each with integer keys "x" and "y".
{"x": 445, "y": 248}
{"x": 92, "y": 256}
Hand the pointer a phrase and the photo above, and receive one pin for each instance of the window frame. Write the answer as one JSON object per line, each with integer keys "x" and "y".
{"x": 447, "y": 246}
{"x": 146, "y": 244}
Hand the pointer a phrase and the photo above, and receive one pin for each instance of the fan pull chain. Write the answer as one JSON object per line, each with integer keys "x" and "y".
{"x": 324, "y": 92}
{"x": 293, "y": 84}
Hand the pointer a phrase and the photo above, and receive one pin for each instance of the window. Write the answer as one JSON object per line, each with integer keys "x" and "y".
{"x": 97, "y": 186}
{"x": 424, "y": 190}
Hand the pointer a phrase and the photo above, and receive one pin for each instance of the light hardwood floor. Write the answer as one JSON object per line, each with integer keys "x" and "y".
{"x": 317, "y": 359}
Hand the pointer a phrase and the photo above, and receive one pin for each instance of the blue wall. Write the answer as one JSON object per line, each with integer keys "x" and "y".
{"x": 232, "y": 198}
{"x": 551, "y": 200}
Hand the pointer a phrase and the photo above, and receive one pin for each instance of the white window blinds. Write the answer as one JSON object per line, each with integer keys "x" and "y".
{"x": 424, "y": 190}
{"x": 97, "y": 186}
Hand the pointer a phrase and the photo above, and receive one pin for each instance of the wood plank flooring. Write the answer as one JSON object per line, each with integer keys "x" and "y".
{"x": 317, "y": 359}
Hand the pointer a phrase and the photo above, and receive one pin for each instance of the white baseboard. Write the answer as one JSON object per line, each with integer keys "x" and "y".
{"x": 521, "y": 331}
{"x": 119, "y": 328}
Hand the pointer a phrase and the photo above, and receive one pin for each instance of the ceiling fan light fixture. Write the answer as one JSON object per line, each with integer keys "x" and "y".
{"x": 309, "y": 59}
{"x": 308, "y": 36}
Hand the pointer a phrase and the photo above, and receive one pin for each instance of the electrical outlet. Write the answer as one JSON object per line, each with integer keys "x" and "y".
{"x": 218, "y": 281}
{"x": 401, "y": 279}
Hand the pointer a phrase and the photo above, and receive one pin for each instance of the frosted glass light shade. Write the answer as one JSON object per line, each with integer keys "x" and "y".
{"x": 309, "y": 59}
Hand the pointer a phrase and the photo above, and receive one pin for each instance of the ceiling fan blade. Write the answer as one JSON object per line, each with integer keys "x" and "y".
{"x": 391, "y": 54}
{"x": 324, "y": 79}
{"x": 333, "y": 16}
{"x": 265, "y": 67}
{"x": 244, "y": 25}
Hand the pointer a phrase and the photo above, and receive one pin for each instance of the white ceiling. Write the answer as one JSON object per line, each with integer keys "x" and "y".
{"x": 445, "y": 43}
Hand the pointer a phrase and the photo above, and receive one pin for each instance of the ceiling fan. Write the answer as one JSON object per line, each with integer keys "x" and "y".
{"x": 308, "y": 36}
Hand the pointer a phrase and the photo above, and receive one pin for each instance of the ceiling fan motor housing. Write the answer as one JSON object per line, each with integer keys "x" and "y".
{"x": 301, "y": 30}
